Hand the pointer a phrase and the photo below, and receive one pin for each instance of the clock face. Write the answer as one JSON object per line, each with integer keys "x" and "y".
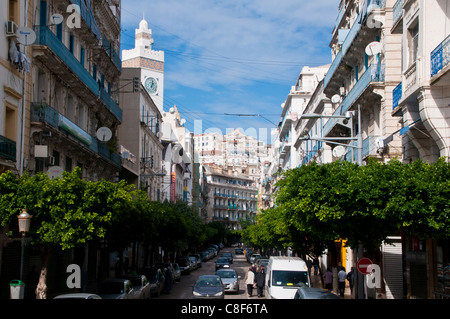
{"x": 151, "y": 85}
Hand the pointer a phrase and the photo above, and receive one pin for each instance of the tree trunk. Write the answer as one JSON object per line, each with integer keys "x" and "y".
{"x": 41, "y": 289}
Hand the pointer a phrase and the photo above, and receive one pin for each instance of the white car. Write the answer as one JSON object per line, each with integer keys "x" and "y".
{"x": 78, "y": 296}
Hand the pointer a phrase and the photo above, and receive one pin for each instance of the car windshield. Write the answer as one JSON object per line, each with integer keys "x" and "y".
{"x": 227, "y": 274}
{"x": 182, "y": 262}
{"x": 208, "y": 282}
{"x": 107, "y": 288}
{"x": 290, "y": 278}
{"x": 222, "y": 260}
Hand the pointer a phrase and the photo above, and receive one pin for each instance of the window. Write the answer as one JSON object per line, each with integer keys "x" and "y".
{"x": 13, "y": 11}
{"x": 11, "y": 123}
{"x": 413, "y": 43}
{"x": 68, "y": 167}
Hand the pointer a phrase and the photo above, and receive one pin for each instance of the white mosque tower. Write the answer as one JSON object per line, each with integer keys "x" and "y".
{"x": 150, "y": 62}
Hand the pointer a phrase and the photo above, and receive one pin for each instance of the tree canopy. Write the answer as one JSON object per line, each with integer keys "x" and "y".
{"x": 316, "y": 204}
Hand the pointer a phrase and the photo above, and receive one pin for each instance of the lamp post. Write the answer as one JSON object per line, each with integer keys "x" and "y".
{"x": 24, "y": 227}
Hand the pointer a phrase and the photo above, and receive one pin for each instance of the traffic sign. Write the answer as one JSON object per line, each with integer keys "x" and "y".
{"x": 363, "y": 264}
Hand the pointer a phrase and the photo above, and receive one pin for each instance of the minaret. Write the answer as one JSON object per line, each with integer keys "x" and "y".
{"x": 150, "y": 62}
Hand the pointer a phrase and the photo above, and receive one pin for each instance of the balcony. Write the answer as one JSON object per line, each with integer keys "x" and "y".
{"x": 334, "y": 75}
{"x": 58, "y": 58}
{"x": 396, "y": 97}
{"x": 285, "y": 148}
{"x": 43, "y": 113}
{"x": 7, "y": 148}
{"x": 440, "y": 59}
{"x": 397, "y": 16}
{"x": 373, "y": 74}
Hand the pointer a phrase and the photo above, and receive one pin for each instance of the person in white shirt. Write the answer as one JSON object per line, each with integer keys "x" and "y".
{"x": 342, "y": 275}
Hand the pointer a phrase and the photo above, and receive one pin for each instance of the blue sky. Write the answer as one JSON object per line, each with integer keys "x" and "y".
{"x": 233, "y": 56}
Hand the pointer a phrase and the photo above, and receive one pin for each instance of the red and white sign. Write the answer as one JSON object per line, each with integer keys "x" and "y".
{"x": 363, "y": 265}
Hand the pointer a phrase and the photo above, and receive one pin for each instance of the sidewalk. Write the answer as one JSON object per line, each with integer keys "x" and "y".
{"x": 317, "y": 283}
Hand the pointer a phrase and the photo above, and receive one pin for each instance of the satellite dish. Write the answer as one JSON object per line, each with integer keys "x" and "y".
{"x": 182, "y": 121}
{"x": 336, "y": 98}
{"x": 56, "y": 18}
{"x": 159, "y": 134}
{"x": 373, "y": 48}
{"x": 104, "y": 134}
{"x": 26, "y": 36}
{"x": 339, "y": 151}
{"x": 172, "y": 110}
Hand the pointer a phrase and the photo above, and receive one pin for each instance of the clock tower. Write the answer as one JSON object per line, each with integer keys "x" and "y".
{"x": 150, "y": 62}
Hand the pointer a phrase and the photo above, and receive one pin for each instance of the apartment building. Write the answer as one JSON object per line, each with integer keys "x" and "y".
{"x": 364, "y": 72}
{"x": 422, "y": 97}
{"x": 421, "y": 105}
{"x": 75, "y": 70}
{"x": 139, "y": 136}
{"x": 231, "y": 197}
{"x": 14, "y": 76}
{"x": 293, "y": 107}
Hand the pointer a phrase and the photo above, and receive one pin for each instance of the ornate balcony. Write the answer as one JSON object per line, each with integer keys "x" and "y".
{"x": 7, "y": 148}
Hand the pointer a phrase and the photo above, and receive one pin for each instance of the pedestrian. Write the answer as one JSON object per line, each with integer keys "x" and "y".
{"x": 342, "y": 275}
{"x": 328, "y": 276}
{"x": 249, "y": 281}
{"x": 309, "y": 264}
{"x": 351, "y": 278}
{"x": 316, "y": 266}
{"x": 168, "y": 281}
{"x": 260, "y": 279}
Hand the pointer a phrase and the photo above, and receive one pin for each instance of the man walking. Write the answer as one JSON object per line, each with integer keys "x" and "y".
{"x": 341, "y": 281}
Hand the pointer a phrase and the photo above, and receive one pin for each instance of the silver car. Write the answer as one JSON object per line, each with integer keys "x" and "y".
{"x": 230, "y": 279}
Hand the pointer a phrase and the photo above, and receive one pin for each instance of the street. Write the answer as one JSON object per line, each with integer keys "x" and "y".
{"x": 183, "y": 288}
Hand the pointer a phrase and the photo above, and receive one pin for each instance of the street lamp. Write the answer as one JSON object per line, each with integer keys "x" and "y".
{"x": 24, "y": 227}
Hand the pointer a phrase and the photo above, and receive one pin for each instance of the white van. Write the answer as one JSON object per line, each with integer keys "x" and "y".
{"x": 284, "y": 275}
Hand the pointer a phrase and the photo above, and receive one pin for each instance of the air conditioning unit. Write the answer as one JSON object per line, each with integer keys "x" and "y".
{"x": 11, "y": 28}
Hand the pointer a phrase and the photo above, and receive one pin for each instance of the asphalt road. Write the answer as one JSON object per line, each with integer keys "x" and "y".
{"x": 183, "y": 288}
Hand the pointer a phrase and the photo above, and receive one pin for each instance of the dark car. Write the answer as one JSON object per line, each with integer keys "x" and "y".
{"x": 239, "y": 251}
{"x": 208, "y": 287}
{"x": 185, "y": 265}
{"x": 314, "y": 293}
{"x": 229, "y": 256}
{"x": 222, "y": 262}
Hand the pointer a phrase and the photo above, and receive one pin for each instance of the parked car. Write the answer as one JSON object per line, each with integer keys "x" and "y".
{"x": 116, "y": 289}
{"x": 205, "y": 255}
{"x": 230, "y": 279}
{"x": 176, "y": 272}
{"x": 198, "y": 259}
{"x": 185, "y": 265}
{"x": 239, "y": 251}
{"x": 222, "y": 262}
{"x": 194, "y": 262}
{"x": 254, "y": 257}
{"x": 141, "y": 286}
{"x": 229, "y": 256}
{"x": 78, "y": 296}
{"x": 156, "y": 279}
{"x": 208, "y": 287}
{"x": 314, "y": 293}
